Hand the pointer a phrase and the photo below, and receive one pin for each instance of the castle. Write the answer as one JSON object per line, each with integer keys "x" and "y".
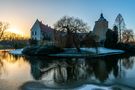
{"x": 41, "y": 32}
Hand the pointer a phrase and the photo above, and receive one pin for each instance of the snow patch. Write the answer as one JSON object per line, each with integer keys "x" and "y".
{"x": 102, "y": 50}
{"x": 94, "y": 87}
{"x": 16, "y": 51}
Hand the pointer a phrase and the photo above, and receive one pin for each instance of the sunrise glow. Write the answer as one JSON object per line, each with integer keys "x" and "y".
{"x": 15, "y": 30}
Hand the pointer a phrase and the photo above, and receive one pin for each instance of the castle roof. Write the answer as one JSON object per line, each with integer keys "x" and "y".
{"x": 102, "y": 18}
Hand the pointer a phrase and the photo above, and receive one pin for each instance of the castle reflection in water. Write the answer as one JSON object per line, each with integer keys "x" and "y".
{"x": 66, "y": 72}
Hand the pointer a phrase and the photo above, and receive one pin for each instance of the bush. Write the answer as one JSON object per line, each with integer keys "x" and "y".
{"x": 33, "y": 42}
{"x": 49, "y": 49}
{"x": 2, "y": 47}
{"x": 126, "y": 47}
{"x": 42, "y": 50}
{"x": 17, "y": 45}
{"x": 30, "y": 50}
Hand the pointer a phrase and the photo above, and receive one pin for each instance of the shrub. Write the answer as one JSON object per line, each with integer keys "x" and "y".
{"x": 42, "y": 50}
{"x": 33, "y": 42}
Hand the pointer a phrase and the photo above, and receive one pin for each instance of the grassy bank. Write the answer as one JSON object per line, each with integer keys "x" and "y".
{"x": 13, "y": 44}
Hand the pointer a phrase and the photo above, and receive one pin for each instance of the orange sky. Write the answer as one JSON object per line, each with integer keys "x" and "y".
{"x": 17, "y": 23}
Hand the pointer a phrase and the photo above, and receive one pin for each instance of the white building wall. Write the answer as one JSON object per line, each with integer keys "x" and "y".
{"x": 36, "y": 31}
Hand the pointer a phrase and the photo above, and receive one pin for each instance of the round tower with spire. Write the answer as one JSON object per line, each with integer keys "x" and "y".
{"x": 100, "y": 28}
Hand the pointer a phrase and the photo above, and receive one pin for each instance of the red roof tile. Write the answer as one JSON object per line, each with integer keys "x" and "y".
{"x": 45, "y": 28}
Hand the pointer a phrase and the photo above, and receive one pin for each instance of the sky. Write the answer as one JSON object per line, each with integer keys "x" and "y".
{"x": 21, "y": 14}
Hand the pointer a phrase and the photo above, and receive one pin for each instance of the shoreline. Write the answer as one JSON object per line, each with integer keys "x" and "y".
{"x": 86, "y": 52}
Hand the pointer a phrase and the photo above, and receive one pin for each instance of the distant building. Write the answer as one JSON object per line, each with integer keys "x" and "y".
{"x": 100, "y": 29}
{"x": 41, "y": 32}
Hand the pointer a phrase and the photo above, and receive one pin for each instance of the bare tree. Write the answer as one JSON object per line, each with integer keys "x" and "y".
{"x": 72, "y": 27}
{"x": 3, "y": 27}
{"x": 128, "y": 35}
{"x": 119, "y": 22}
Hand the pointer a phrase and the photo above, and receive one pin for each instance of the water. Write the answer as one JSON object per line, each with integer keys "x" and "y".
{"x": 40, "y": 73}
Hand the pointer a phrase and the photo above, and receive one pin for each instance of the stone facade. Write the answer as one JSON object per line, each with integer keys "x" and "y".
{"x": 100, "y": 28}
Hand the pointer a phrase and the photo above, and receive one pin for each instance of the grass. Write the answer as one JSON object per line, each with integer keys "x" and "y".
{"x": 2, "y": 47}
{"x": 13, "y": 44}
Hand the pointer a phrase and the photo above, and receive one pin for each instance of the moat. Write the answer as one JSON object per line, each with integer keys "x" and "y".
{"x": 115, "y": 72}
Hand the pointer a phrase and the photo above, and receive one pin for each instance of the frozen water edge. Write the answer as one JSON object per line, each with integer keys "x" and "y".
{"x": 44, "y": 86}
{"x": 72, "y": 52}
{"x": 16, "y": 51}
{"x": 102, "y": 50}
{"x": 87, "y": 52}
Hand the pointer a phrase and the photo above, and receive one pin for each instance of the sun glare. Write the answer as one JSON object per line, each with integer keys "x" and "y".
{"x": 14, "y": 30}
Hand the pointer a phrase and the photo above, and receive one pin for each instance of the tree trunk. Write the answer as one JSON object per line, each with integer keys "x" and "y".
{"x": 69, "y": 42}
{"x": 75, "y": 43}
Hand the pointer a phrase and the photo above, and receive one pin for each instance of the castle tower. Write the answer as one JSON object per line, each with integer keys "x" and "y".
{"x": 100, "y": 28}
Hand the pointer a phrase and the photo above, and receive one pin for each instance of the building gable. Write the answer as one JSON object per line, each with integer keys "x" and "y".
{"x": 36, "y": 31}
{"x": 42, "y": 32}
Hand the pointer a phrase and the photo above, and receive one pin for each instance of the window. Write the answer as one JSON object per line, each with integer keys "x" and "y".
{"x": 35, "y": 33}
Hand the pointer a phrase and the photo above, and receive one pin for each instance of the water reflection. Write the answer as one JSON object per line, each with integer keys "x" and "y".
{"x": 75, "y": 72}
{"x": 70, "y": 69}
{"x": 46, "y": 72}
{"x": 14, "y": 70}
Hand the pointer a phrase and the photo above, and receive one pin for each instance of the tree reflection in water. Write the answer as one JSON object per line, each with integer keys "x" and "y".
{"x": 128, "y": 62}
{"x": 66, "y": 71}
{"x": 70, "y": 72}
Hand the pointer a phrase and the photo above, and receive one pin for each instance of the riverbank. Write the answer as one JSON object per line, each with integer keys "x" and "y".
{"x": 85, "y": 52}
{"x": 16, "y": 51}
{"x": 11, "y": 44}
{"x": 88, "y": 52}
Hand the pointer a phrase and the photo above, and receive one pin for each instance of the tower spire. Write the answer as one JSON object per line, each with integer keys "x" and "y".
{"x": 101, "y": 16}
